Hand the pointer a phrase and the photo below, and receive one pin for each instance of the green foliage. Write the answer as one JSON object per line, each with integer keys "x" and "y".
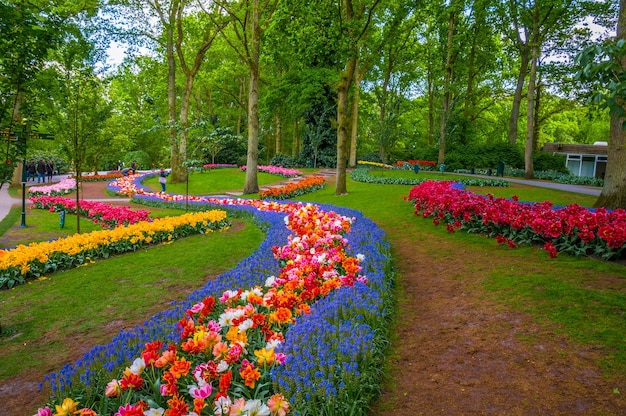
{"x": 234, "y": 151}
{"x": 142, "y": 158}
{"x": 579, "y": 180}
{"x": 544, "y": 161}
{"x": 602, "y": 66}
{"x": 285, "y": 161}
{"x": 483, "y": 155}
{"x": 319, "y": 146}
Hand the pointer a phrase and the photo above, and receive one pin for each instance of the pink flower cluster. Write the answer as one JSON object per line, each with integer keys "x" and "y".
{"x": 572, "y": 229}
{"x": 218, "y": 165}
{"x": 64, "y": 187}
{"x": 109, "y": 216}
{"x": 276, "y": 170}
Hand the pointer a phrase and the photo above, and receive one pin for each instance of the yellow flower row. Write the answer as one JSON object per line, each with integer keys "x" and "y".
{"x": 24, "y": 257}
{"x": 377, "y": 164}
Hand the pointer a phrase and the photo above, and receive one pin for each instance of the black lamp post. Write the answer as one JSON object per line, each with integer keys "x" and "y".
{"x": 23, "y": 137}
{"x": 187, "y": 190}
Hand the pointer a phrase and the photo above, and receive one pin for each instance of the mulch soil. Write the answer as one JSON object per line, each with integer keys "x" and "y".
{"x": 455, "y": 350}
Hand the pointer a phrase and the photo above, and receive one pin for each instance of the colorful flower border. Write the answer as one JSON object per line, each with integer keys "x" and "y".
{"x": 351, "y": 322}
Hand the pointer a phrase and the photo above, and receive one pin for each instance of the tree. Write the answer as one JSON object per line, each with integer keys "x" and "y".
{"x": 605, "y": 66}
{"x": 78, "y": 111}
{"x": 249, "y": 18}
{"x": 539, "y": 28}
{"x": 28, "y": 32}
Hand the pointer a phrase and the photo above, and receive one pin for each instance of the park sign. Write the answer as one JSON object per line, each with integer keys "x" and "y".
{"x": 14, "y": 136}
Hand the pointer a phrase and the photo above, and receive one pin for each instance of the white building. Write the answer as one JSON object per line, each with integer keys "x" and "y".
{"x": 582, "y": 159}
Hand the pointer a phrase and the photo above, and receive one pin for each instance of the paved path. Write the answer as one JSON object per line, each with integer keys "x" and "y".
{"x": 579, "y": 189}
{"x": 6, "y": 202}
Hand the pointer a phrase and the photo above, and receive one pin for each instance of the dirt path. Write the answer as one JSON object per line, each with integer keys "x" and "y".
{"x": 458, "y": 353}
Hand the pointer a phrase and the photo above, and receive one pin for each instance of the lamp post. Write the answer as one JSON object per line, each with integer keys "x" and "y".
{"x": 23, "y": 137}
{"x": 187, "y": 191}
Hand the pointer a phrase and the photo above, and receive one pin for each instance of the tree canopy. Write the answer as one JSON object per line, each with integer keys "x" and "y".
{"x": 315, "y": 83}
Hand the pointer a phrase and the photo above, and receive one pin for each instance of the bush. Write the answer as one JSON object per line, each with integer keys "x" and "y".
{"x": 285, "y": 161}
{"x": 484, "y": 156}
{"x": 544, "y": 161}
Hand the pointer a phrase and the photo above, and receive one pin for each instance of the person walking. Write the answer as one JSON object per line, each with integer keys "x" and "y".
{"x": 163, "y": 179}
{"x": 133, "y": 166}
{"x": 32, "y": 171}
{"x": 49, "y": 170}
{"x": 41, "y": 171}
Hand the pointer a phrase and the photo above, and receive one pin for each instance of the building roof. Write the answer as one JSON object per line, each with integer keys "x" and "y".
{"x": 579, "y": 149}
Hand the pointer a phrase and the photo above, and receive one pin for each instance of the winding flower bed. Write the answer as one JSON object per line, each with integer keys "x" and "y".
{"x": 64, "y": 187}
{"x": 109, "y": 216}
{"x": 305, "y": 337}
{"x": 572, "y": 229}
{"x": 36, "y": 259}
{"x": 277, "y": 170}
{"x": 294, "y": 189}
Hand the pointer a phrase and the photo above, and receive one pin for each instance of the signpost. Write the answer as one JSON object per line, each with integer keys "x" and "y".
{"x": 9, "y": 135}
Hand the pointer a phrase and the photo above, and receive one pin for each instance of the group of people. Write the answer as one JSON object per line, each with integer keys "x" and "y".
{"x": 43, "y": 170}
{"x": 126, "y": 171}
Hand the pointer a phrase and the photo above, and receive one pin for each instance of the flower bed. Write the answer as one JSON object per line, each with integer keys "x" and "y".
{"x": 210, "y": 166}
{"x": 36, "y": 259}
{"x": 365, "y": 163}
{"x": 109, "y": 216}
{"x": 294, "y": 189}
{"x": 422, "y": 163}
{"x": 237, "y": 355}
{"x": 101, "y": 178}
{"x": 63, "y": 187}
{"x": 572, "y": 229}
{"x": 276, "y": 170}
{"x": 361, "y": 174}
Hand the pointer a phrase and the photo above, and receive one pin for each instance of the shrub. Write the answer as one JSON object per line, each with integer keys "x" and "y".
{"x": 544, "y": 161}
{"x": 286, "y": 161}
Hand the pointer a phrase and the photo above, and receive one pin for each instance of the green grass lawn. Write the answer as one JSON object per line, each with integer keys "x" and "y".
{"x": 568, "y": 293}
{"x": 212, "y": 182}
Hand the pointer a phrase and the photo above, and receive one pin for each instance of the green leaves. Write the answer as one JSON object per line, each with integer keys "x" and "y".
{"x": 603, "y": 66}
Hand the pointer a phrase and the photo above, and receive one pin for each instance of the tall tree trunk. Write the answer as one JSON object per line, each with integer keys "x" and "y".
{"x": 295, "y": 147}
{"x": 537, "y": 121}
{"x": 382, "y": 145}
{"x": 179, "y": 174}
{"x": 471, "y": 73}
{"x": 16, "y": 120}
{"x": 517, "y": 97}
{"x": 614, "y": 191}
{"x": 184, "y": 121}
{"x": 342, "y": 126}
{"x": 277, "y": 134}
{"x": 354, "y": 115}
{"x": 530, "y": 116}
{"x": 447, "y": 86}
{"x": 252, "y": 184}
{"x": 431, "y": 104}
{"x": 240, "y": 113}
